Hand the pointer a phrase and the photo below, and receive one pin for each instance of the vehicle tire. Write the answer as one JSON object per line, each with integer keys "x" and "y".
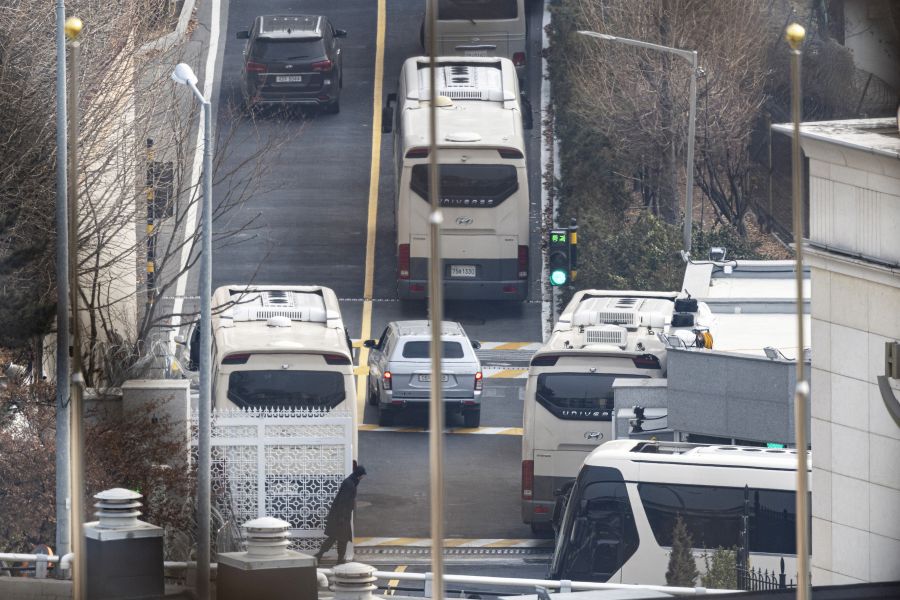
{"x": 371, "y": 396}
{"x": 472, "y": 418}
{"x": 385, "y": 417}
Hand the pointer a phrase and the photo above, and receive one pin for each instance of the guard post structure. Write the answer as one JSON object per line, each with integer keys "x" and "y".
{"x": 124, "y": 555}
{"x": 268, "y": 570}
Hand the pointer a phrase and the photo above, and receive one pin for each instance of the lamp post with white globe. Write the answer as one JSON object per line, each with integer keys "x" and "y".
{"x": 184, "y": 75}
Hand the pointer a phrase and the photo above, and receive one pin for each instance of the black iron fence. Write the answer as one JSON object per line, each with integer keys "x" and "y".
{"x": 753, "y": 580}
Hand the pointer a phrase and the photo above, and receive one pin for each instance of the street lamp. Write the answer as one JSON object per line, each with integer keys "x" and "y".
{"x": 691, "y": 57}
{"x": 184, "y": 75}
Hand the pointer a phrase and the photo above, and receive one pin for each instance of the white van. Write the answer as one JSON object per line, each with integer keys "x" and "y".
{"x": 478, "y": 28}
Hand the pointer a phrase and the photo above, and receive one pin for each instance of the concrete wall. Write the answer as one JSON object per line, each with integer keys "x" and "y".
{"x": 21, "y": 588}
{"x": 732, "y": 395}
{"x": 855, "y": 207}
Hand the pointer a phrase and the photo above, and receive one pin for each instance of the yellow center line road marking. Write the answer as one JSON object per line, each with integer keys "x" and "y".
{"x": 449, "y": 431}
{"x": 507, "y": 373}
{"x": 375, "y": 168}
{"x": 395, "y": 582}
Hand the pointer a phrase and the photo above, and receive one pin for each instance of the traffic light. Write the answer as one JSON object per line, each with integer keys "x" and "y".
{"x": 559, "y": 253}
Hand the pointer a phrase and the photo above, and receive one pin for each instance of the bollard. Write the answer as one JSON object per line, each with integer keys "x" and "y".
{"x": 353, "y": 581}
{"x": 268, "y": 570}
{"x": 124, "y": 555}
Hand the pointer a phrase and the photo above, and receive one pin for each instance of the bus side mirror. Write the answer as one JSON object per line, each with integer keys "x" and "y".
{"x": 527, "y": 116}
{"x": 579, "y": 530}
{"x": 387, "y": 114}
{"x": 369, "y": 343}
{"x": 243, "y": 35}
{"x": 476, "y": 344}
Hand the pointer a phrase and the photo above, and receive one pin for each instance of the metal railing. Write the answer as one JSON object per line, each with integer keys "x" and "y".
{"x": 42, "y": 562}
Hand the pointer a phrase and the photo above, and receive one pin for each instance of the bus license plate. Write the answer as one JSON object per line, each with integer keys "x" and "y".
{"x": 462, "y": 270}
{"x": 288, "y": 78}
{"x": 475, "y": 53}
{"x": 427, "y": 378}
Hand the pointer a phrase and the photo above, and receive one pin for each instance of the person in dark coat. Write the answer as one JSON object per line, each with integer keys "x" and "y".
{"x": 338, "y": 526}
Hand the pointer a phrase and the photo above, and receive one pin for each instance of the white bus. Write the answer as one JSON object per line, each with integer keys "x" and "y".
{"x": 478, "y": 28}
{"x": 619, "y": 515}
{"x": 601, "y": 336}
{"x": 278, "y": 346}
{"x": 483, "y": 178}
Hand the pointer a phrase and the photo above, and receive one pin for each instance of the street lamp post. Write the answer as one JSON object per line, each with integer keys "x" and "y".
{"x": 691, "y": 57}
{"x": 185, "y": 76}
{"x": 73, "y": 28}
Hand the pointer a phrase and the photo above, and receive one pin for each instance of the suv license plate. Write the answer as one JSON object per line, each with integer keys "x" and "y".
{"x": 427, "y": 378}
{"x": 462, "y": 271}
{"x": 288, "y": 78}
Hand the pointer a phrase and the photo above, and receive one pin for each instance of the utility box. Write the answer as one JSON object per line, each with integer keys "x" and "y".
{"x": 124, "y": 555}
{"x": 267, "y": 570}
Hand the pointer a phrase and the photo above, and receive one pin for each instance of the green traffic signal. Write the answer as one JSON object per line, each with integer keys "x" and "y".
{"x": 558, "y": 277}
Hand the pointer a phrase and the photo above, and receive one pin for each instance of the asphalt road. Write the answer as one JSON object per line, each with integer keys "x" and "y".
{"x": 302, "y": 219}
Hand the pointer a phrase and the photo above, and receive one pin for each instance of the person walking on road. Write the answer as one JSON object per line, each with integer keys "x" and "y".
{"x": 338, "y": 526}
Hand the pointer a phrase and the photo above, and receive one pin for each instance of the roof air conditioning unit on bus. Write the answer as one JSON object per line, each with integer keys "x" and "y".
{"x": 606, "y": 334}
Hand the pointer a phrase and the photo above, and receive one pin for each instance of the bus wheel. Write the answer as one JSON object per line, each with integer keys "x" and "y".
{"x": 472, "y": 418}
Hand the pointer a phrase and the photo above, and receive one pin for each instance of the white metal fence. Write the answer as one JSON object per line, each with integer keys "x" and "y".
{"x": 287, "y": 464}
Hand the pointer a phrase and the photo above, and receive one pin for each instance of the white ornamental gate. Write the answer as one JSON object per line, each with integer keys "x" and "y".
{"x": 286, "y": 464}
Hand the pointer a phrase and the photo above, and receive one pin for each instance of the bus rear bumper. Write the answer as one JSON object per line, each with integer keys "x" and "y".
{"x": 455, "y": 289}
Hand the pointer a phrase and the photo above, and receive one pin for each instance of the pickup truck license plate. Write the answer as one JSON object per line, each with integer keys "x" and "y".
{"x": 475, "y": 53}
{"x": 427, "y": 378}
{"x": 288, "y": 78}
{"x": 462, "y": 271}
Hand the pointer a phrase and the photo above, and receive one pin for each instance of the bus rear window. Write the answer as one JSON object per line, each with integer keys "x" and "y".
{"x": 487, "y": 10}
{"x": 579, "y": 396}
{"x": 469, "y": 186}
{"x": 286, "y": 389}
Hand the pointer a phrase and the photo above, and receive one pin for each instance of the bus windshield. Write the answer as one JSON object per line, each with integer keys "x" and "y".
{"x": 598, "y": 534}
{"x": 471, "y": 186}
{"x": 286, "y": 389}
{"x": 579, "y": 396}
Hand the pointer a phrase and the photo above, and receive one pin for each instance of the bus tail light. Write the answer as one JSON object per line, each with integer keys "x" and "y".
{"x": 547, "y": 360}
{"x": 336, "y": 359}
{"x": 519, "y": 59}
{"x": 510, "y": 153}
{"x": 403, "y": 261}
{"x": 236, "y": 359}
{"x": 479, "y": 381}
{"x": 417, "y": 153}
{"x": 646, "y": 361}
{"x": 386, "y": 380}
{"x": 527, "y": 479}
{"x": 523, "y": 262}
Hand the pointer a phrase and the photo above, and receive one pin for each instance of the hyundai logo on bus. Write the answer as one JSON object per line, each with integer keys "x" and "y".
{"x": 464, "y": 220}
{"x": 593, "y": 435}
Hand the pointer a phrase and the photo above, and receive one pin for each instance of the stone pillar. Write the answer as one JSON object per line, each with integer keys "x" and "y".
{"x": 124, "y": 555}
{"x": 267, "y": 570}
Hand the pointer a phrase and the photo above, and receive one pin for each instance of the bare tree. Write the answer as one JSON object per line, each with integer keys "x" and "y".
{"x": 639, "y": 98}
{"x": 127, "y": 99}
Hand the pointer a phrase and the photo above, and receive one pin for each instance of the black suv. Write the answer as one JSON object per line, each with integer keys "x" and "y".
{"x": 292, "y": 59}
